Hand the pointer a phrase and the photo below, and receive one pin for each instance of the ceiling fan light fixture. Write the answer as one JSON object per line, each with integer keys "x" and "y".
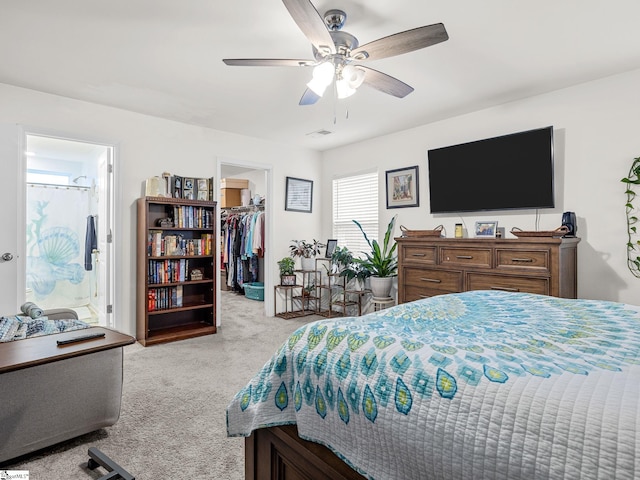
{"x": 343, "y": 89}
{"x": 322, "y": 77}
{"x": 354, "y": 76}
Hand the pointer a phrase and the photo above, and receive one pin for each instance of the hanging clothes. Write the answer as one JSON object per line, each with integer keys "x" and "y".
{"x": 243, "y": 243}
{"x": 90, "y": 243}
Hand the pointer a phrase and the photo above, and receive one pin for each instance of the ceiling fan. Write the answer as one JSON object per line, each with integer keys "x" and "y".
{"x": 337, "y": 53}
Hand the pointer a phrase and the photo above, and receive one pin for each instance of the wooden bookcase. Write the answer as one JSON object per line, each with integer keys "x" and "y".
{"x": 173, "y": 301}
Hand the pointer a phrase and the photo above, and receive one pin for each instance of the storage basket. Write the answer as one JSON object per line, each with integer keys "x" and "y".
{"x": 436, "y": 232}
{"x": 254, "y": 290}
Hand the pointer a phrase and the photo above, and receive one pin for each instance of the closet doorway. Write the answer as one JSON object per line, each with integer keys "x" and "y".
{"x": 68, "y": 225}
{"x": 260, "y": 187}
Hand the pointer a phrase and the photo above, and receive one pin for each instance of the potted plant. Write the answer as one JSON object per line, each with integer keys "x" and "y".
{"x": 381, "y": 262}
{"x": 358, "y": 272}
{"x": 341, "y": 258}
{"x": 287, "y": 275}
{"x": 306, "y": 251}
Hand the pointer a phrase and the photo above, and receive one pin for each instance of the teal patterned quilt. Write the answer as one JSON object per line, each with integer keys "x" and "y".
{"x": 482, "y": 384}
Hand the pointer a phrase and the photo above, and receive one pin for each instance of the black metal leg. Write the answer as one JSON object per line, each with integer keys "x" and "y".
{"x": 116, "y": 472}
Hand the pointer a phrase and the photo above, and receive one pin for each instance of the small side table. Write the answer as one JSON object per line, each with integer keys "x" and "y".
{"x": 382, "y": 303}
{"x": 289, "y": 291}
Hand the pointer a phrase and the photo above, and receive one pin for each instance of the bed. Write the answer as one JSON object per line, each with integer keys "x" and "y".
{"x": 482, "y": 385}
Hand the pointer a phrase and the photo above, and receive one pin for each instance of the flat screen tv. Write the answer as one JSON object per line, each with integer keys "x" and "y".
{"x": 502, "y": 173}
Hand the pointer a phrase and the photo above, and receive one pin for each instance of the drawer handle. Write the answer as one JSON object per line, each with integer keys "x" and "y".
{"x": 432, "y": 280}
{"x": 506, "y": 289}
{"x": 523, "y": 260}
{"x": 418, "y": 254}
{"x": 464, "y": 257}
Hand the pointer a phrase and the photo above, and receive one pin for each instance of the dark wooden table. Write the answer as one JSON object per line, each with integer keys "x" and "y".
{"x": 33, "y": 351}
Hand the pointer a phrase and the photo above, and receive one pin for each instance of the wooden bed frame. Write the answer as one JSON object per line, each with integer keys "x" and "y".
{"x": 278, "y": 453}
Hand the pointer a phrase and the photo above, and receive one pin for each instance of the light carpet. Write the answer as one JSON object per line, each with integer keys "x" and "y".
{"x": 172, "y": 423}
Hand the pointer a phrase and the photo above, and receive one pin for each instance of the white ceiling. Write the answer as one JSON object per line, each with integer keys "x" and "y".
{"x": 164, "y": 58}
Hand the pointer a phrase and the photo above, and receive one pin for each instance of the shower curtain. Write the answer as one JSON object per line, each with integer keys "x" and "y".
{"x": 56, "y": 229}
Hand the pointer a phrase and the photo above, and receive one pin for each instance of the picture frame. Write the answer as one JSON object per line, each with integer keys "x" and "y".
{"x": 203, "y": 188}
{"x": 486, "y": 229}
{"x": 188, "y": 188}
{"x": 331, "y": 246}
{"x": 177, "y": 186}
{"x": 298, "y": 195}
{"x": 402, "y": 187}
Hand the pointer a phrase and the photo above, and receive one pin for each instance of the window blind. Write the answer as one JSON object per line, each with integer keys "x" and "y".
{"x": 355, "y": 198}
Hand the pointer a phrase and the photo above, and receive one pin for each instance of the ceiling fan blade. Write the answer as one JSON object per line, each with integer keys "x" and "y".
{"x": 311, "y": 23}
{"x": 402, "y": 42}
{"x": 309, "y": 97}
{"x": 268, "y": 62}
{"x": 385, "y": 83}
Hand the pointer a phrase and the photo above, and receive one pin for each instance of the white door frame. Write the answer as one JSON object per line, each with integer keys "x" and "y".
{"x": 112, "y": 295}
{"x": 268, "y": 226}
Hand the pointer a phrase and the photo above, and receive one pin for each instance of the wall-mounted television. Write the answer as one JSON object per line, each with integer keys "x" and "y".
{"x": 512, "y": 171}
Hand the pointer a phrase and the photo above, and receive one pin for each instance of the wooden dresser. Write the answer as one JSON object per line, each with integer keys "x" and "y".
{"x": 429, "y": 266}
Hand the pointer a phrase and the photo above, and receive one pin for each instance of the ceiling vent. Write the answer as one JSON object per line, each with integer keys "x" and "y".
{"x": 319, "y": 133}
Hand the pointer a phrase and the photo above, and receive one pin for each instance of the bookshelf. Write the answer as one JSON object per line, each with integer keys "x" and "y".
{"x": 176, "y": 289}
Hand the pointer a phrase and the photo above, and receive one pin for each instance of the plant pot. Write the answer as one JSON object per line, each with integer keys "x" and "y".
{"x": 308, "y": 264}
{"x": 381, "y": 286}
{"x": 287, "y": 280}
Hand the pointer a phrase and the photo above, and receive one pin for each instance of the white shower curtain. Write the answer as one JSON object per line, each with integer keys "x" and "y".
{"x": 56, "y": 229}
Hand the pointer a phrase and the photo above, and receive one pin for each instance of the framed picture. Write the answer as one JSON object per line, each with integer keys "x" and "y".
{"x": 177, "y": 186}
{"x": 299, "y": 195}
{"x": 187, "y": 188}
{"x": 331, "y": 246}
{"x": 486, "y": 229}
{"x": 203, "y": 189}
{"x": 402, "y": 187}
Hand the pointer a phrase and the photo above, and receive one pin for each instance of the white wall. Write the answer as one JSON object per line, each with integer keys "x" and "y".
{"x": 148, "y": 146}
{"x": 597, "y": 135}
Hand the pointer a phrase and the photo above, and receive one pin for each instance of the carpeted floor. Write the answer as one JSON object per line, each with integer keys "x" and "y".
{"x": 172, "y": 423}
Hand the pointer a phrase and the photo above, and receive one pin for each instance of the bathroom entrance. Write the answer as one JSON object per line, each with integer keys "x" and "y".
{"x": 68, "y": 215}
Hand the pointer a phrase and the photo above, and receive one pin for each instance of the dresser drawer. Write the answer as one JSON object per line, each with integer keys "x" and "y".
{"x": 477, "y": 257}
{"x": 442, "y": 280}
{"x": 412, "y": 293}
{"x": 509, "y": 283}
{"x": 529, "y": 259}
{"x": 418, "y": 253}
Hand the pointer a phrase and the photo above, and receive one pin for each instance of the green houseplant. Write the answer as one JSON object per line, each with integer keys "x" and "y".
{"x": 633, "y": 246}
{"x": 347, "y": 267}
{"x": 306, "y": 250}
{"x": 287, "y": 275}
{"x": 381, "y": 262}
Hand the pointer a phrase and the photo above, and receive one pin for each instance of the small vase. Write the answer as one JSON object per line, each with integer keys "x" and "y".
{"x": 308, "y": 264}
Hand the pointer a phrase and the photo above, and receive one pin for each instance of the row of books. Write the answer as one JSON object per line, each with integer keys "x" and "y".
{"x": 174, "y": 245}
{"x": 163, "y": 298}
{"x": 168, "y": 271}
{"x": 188, "y": 216}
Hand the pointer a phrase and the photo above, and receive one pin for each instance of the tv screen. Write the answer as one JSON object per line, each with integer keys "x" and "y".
{"x": 508, "y": 172}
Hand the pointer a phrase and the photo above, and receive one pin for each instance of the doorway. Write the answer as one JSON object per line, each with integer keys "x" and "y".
{"x": 259, "y": 178}
{"x": 68, "y": 215}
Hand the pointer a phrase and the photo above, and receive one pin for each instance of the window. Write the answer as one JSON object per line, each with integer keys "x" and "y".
{"x": 50, "y": 178}
{"x": 355, "y": 198}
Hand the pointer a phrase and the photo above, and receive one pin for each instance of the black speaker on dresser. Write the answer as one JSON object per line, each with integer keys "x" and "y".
{"x": 569, "y": 221}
